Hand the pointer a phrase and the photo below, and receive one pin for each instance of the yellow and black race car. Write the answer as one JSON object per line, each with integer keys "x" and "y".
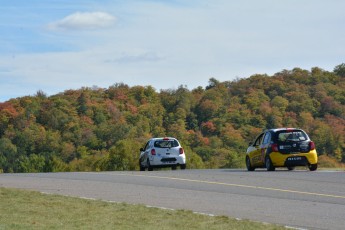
{"x": 283, "y": 147}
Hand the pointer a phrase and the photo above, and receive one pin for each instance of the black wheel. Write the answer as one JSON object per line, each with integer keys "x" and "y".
{"x": 183, "y": 166}
{"x": 312, "y": 167}
{"x": 269, "y": 165}
{"x": 290, "y": 168}
{"x": 248, "y": 164}
{"x": 142, "y": 168}
{"x": 149, "y": 167}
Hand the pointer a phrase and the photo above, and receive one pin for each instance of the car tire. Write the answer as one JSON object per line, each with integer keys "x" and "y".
{"x": 312, "y": 167}
{"x": 183, "y": 166}
{"x": 269, "y": 165}
{"x": 248, "y": 164}
{"x": 290, "y": 168}
{"x": 149, "y": 167}
{"x": 141, "y": 168}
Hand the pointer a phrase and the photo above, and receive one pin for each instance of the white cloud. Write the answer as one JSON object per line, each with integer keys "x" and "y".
{"x": 136, "y": 58}
{"x": 84, "y": 21}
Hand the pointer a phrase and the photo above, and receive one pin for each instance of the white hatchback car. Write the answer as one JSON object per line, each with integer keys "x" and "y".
{"x": 162, "y": 152}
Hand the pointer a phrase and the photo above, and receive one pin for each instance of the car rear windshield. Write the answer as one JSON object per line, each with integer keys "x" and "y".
{"x": 166, "y": 143}
{"x": 292, "y": 136}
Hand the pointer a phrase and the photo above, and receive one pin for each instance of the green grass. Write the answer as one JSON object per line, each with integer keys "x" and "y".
{"x": 21, "y": 209}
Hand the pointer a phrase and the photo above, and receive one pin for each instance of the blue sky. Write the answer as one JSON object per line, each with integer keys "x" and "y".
{"x": 59, "y": 45}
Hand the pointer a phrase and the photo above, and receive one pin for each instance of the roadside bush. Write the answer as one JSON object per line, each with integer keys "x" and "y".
{"x": 329, "y": 162}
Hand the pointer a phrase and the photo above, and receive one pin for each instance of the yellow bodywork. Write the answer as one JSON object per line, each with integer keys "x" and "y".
{"x": 278, "y": 159}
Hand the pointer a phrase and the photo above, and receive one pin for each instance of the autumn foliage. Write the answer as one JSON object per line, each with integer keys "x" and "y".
{"x": 94, "y": 129}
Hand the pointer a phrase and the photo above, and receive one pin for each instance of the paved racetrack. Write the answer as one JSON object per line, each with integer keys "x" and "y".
{"x": 301, "y": 199}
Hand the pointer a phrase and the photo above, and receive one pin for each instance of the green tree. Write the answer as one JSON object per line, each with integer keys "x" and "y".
{"x": 82, "y": 103}
{"x": 324, "y": 139}
{"x": 32, "y": 163}
{"x": 123, "y": 156}
{"x": 8, "y": 155}
{"x": 340, "y": 70}
{"x": 193, "y": 160}
{"x": 85, "y": 129}
{"x": 280, "y": 102}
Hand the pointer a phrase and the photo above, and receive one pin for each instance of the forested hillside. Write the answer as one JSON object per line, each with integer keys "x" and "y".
{"x": 103, "y": 129}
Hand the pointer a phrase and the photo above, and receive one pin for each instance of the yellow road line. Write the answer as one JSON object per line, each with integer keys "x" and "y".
{"x": 237, "y": 185}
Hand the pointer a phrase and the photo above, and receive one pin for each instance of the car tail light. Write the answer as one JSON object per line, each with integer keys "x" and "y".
{"x": 181, "y": 151}
{"x": 153, "y": 152}
{"x": 275, "y": 147}
{"x": 166, "y": 138}
{"x": 311, "y": 145}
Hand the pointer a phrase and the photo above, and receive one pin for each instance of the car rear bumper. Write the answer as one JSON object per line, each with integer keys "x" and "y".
{"x": 167, "y": 161}
{"x": 296, "y": 159}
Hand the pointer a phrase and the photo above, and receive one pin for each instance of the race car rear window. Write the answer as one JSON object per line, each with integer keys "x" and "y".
{"x": 166, "y": 143}
{"x": 292, "y": 136}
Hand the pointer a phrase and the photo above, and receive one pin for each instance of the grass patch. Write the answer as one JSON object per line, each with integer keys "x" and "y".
{"x": 21, "y": 209}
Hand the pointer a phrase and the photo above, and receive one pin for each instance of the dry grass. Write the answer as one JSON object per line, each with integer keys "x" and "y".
{"x": 329, "y": 162}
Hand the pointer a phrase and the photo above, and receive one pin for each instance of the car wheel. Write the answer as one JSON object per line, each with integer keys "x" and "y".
{"x": 183, "y": 166}
{"x": 269, "y": 165}
{"x": 149, "y": 167}
{"x": 249, "y": 166}
{"x": 312, "y": 167}
{"x": 142, "y": 168}
{"x": 290, "y": 168}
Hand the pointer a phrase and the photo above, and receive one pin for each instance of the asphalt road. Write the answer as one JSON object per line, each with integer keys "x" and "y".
{"x": 301, "y": 199}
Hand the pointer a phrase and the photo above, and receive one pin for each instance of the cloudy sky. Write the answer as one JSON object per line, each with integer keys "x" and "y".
{"x": 58, "y": 45}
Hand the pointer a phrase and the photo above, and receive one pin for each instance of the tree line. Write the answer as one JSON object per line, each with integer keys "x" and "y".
{"x": 96, "y": 129}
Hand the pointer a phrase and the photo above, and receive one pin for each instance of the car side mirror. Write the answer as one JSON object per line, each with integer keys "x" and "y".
{"x": 141, "y": 149}
{"x": 250, "y": 143}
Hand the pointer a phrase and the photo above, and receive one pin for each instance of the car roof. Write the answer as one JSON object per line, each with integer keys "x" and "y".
{"x": 161, "y": 138}
{"x": 282, "y": 129}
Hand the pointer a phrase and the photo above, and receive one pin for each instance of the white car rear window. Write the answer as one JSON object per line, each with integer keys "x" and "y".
{"x": 165, "y": 143}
